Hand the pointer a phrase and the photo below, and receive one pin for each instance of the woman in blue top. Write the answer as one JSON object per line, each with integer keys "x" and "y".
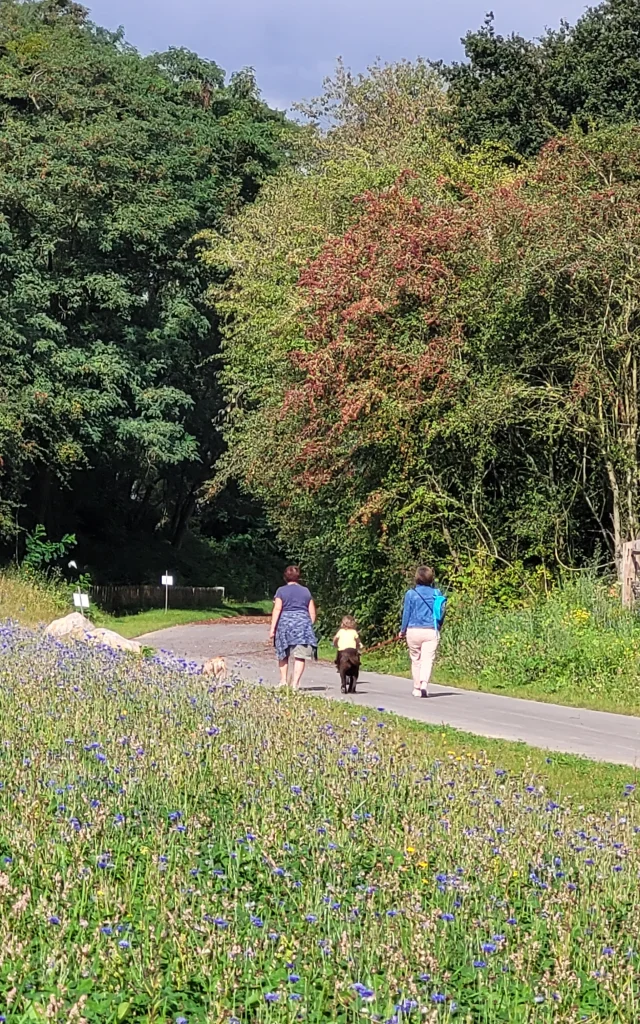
{"x": 294, "y": 613}
{"x": 421, "y": 629}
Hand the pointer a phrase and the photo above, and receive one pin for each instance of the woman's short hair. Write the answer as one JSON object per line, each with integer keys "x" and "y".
{"x": 292, "y": 574}
{"x": 425, "y": 576}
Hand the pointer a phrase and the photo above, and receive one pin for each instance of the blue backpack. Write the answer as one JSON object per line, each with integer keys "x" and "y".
{"x": 439, "y": 608}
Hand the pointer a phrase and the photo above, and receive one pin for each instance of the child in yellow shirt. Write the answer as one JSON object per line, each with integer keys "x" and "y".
{"x": 347, "y": 638}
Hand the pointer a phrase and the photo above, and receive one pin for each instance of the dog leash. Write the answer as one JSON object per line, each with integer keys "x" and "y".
{"x": 385, "y": 643}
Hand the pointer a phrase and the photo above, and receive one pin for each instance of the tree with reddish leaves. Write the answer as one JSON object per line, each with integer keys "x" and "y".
{"x": 468, "y": 378}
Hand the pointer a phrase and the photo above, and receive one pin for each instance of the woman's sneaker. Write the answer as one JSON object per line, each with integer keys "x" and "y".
{"x": 416, "y": 692}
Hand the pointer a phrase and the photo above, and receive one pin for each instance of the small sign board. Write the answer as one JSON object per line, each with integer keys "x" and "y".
{"x": 167, "y": 581}
{"x": 81, "y": 600}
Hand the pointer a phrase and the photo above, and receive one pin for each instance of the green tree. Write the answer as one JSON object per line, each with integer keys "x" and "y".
{"x": 111, "y": 164}
{"x": 523, "y": 92}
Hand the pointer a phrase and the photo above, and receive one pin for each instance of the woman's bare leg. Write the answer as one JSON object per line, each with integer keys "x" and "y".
{"x": 298, "y": 669}
{"x": 284, "y": 667}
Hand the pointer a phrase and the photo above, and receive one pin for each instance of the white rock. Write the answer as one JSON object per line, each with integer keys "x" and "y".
{"x": 108, "y": 638}
{"x": 76, "y": 627}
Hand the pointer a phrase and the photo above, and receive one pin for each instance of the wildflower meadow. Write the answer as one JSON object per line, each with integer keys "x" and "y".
{"x": 173, "y": 850}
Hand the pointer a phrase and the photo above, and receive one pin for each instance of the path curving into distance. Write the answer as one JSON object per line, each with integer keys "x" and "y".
{"x": 245, "y": 645}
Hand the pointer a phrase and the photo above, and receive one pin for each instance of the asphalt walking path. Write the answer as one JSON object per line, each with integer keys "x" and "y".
{"x": 245, "y": 646}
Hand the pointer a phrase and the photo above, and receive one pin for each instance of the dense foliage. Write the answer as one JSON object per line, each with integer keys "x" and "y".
{"x": 431, "y": 354}
{"x": 111, "y": 164}
{"x": 523, "y": 92}
{"x": 177, "y": 851}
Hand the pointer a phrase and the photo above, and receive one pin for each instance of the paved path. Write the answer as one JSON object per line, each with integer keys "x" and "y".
{"x": 595, "y": 734}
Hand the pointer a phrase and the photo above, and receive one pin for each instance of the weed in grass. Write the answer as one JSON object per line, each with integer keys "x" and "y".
{"x": 172, "y": 849}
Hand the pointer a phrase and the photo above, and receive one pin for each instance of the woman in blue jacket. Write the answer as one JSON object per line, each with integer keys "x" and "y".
{"x": 421, "y": 620}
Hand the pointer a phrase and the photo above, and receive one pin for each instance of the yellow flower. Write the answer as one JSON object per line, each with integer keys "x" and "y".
{"x": 411, "y": 849}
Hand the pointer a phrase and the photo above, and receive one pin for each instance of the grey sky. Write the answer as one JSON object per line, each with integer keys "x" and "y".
{"x": 293, "y": 44}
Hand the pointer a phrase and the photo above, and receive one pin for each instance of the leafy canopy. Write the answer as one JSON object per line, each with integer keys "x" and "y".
{"x": 111, "y": 164}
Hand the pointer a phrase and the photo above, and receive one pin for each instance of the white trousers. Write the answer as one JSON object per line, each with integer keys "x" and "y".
{"x": 422, "y": 644}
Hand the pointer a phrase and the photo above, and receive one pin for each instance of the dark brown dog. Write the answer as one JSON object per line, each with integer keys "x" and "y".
{"x": 348, "y": 663}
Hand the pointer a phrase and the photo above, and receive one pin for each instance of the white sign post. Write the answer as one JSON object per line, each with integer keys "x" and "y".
{"x": 81, "y": 600}
{"x": 167, "y": 581}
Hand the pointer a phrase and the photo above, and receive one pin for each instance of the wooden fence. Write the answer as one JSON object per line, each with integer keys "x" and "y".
{"x": 132, "y": 599}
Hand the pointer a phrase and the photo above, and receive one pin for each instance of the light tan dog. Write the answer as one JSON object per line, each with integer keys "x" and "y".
{"x": 215, "y": 667}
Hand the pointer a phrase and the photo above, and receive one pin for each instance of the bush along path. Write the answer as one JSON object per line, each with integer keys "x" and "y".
{"x": 177, "y": 850}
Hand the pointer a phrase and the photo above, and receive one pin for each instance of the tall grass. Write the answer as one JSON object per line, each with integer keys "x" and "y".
{"x": 576, "y": 641}
{"x": 176, "y": 851}
{"x": 31, "y": 599}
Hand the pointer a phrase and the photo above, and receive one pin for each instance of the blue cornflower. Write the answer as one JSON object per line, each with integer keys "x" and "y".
{"x": 107, "y": 929}
{"x": 363, "y": 991}
{"x": 124, "y": 944}
{"x": 489, "y": 947}
{"x": 293, "y": 978}
{"x": 511, "y": 920}
{"x": 257, "y": 922}
{"x": 438, "y": 997}
{"x": 54, "y": 919}
{"x": 100, "y": 757}
{"x": 406, "y": 1006}
{"x": 447, "y": 917}
{"x": 220, "y": 922}
{"x": 311, "y": 918}
{"x": 296, "y": 790}
{"x": 295, "y": 997}
{"x": 272, "y": 997}
{"x": 181, "y": 1020}
{"x": 607, "y": 950}
{"x": 479, "y": 964}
